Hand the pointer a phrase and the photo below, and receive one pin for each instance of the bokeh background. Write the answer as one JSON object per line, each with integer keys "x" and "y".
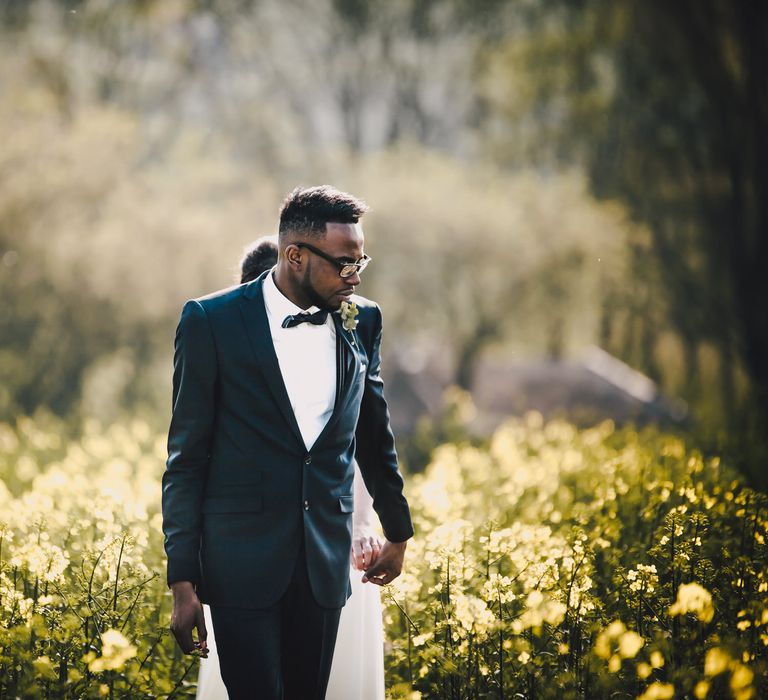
{"x": 569, "y": 205}
{"x": 546, "y": 177}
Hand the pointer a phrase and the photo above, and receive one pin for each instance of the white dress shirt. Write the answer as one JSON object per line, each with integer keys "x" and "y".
{"x": 307, "y": 357}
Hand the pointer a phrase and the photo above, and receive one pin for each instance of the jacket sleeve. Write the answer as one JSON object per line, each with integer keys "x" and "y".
{"x": 375, "y": 448}
{"x": 189, "y": 440}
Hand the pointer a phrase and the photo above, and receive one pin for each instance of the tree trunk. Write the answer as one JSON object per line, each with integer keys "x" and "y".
{"x": 469, "y": 352}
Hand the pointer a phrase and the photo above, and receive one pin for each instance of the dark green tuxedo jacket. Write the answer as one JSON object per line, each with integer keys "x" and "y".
{"x": 240, "y": 489}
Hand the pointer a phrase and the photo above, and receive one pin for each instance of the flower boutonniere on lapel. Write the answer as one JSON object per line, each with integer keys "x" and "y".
{"x": 349, "y": 312}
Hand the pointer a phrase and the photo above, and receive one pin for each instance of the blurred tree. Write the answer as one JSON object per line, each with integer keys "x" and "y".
{"x": 97, "y": 254}
{"x": 667, "y": 105}
{"x": 42, "y": 326}
{"x": 150, "y": 141}
{"x": 316, "y": 75}
{"x": 470, "y": 258}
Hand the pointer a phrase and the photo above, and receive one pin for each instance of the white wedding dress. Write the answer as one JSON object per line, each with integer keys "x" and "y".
{"x": 357, "y": 671}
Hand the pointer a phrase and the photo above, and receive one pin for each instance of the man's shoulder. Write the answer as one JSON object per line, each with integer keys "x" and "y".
{"x": 369, "y": 309}
{"x": 221, "y": 297}
{"x": 365, "y": 305}
{"x": 369, "y": 318}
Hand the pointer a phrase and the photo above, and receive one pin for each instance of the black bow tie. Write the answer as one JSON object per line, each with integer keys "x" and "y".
{"x": 317, "y": 319}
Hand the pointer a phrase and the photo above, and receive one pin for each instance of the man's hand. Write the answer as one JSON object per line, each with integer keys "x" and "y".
{"x": 188, "y": 614}
{"x": 388, "y": 565}
{"x": 365, "y": 552}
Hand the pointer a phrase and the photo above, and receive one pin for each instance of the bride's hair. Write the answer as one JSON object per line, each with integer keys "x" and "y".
{"x": 258, "y": 256}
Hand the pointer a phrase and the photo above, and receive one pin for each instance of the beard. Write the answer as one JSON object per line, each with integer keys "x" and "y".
{"x": 313, "y": 295}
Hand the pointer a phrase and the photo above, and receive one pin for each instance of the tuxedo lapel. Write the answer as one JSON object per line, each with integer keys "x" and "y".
{"x": 347, "y": 365}
{"x": 257, "y": 328}
{"x": 347, "y": 358}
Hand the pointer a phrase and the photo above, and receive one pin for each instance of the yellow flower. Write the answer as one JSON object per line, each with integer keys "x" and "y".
{"x": 539, "y": 609}
{"x": 716, "y": 661}
{"x": 420, "y": 639}
{"x": 629, "y": 644}
{"x": 693, "y": 598}
{"x": 473, "y": 614}
{"x": 115, "y": 651}
{"x": 44, "y": 668}
{"x": 643, "y": 670}
{"x": 741, "y": 681}
{"x": 701, "y": 690}
{"x": 657, "y": 659}
{"x": 658, "y": 691}
{"x": 605, "y": 638}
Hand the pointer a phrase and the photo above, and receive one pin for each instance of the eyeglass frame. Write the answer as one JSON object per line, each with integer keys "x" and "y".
{"x": 357, "y": 266}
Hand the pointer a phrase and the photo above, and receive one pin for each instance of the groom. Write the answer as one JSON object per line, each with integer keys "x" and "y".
{"x": 274, "y": 395}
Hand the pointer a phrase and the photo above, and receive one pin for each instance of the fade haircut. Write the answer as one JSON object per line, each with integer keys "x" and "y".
{"x": 306, "y": 211}
{"x": 259, "y": 256}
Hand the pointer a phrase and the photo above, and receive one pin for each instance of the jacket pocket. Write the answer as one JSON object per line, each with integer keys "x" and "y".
{"x": 229, "y": 504}
{"x": 347, "y": 504}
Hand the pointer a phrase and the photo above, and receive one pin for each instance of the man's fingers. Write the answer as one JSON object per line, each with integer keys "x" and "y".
{"x": 381, "y": 562}
{"x": 202, "y": 631}
{"x": 188, "y": 615}
{"x": 375, "y": 549}
{"x": 378, "y": 574}
{"x": 183, "y": 638}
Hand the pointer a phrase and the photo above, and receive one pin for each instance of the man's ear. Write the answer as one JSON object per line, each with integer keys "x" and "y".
{"x": 293, "y": 256}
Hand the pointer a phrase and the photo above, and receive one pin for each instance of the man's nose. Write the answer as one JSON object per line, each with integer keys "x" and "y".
{"x": 353, "y": 279}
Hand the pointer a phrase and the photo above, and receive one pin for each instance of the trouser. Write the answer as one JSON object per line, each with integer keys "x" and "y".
{"x": 283, "y": 652}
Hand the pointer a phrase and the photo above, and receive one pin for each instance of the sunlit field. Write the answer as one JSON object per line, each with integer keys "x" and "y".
{"x": 568, "y": 218}
{"x": 581, "y": 564}
{"x": 552, "y": 562}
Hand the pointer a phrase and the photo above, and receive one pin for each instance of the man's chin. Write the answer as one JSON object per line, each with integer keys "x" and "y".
{"x": 331, "y": 306}
{"x": 338, "y": 300}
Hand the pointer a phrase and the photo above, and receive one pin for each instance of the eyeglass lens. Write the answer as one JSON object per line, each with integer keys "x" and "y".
{"x": 350, "y": 268}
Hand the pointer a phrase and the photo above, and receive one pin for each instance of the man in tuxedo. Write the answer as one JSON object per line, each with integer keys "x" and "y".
{"x": 274, "y": 395}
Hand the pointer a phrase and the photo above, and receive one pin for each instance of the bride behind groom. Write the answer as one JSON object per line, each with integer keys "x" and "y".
{"x": 357, "y": 671}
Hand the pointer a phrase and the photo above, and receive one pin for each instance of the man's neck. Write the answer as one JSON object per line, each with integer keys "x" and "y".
{"x": 284, "y": 286}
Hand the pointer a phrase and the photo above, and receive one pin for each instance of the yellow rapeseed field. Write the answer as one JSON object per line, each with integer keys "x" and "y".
{"x": 549, "y": 563}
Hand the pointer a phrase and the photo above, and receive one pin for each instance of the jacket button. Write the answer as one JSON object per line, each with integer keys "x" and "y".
{"x": 306, "y": 505}
{"x": 308, "y": 460}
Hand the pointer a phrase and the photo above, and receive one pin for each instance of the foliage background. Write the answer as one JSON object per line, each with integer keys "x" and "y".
{"x": 544, "y": 176}
{"x": 591, "y": 168}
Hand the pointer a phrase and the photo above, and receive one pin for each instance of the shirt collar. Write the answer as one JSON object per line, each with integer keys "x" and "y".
{"x": 277, "y": 304}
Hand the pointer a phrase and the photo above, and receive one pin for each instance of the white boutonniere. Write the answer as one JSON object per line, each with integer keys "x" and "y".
{"x": 349, "y": 312}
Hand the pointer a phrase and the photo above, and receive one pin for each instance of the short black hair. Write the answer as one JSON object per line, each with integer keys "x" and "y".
{"x": 307, "y": 210}
{"x": 259, "y": 256}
